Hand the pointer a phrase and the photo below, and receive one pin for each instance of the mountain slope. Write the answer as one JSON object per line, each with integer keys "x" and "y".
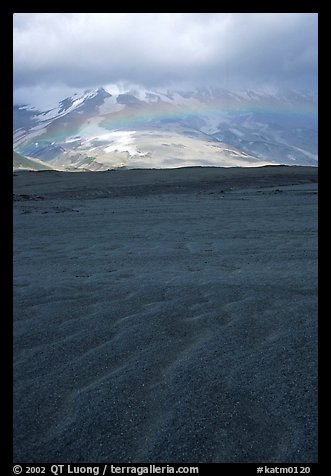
{"x": 25, "y": 163}
{"x": 98, "y": 130}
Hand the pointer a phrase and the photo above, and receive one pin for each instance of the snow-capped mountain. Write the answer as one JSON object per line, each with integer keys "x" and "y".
{"x": 99, "y": 130}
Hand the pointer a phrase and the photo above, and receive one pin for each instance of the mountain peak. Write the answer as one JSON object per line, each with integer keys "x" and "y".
{"x": 90, "y": 93}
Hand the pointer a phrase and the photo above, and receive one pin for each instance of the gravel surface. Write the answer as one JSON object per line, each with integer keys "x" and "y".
{"x": 165, "y": 324}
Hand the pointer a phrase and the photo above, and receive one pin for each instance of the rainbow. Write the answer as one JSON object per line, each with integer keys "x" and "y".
{"x": 151, "y": 115}
{"x": 147, "y": 114}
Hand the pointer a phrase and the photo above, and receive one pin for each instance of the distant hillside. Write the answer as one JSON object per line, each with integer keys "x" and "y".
{"x": 153, "y": 129}
{"x": 24, "y": 163}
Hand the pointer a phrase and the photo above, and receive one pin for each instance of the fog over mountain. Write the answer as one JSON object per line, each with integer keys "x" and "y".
{"x": 57, "y": 54}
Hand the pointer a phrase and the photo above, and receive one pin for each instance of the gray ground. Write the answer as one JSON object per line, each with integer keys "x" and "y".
{"x": 166, "y": 316}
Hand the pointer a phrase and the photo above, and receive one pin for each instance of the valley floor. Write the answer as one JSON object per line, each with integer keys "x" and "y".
{"x": 166, "y": 316}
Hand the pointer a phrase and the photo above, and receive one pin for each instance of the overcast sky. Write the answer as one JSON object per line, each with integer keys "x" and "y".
{"x": 56, "y": 54}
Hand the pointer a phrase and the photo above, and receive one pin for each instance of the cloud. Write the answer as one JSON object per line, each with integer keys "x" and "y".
{"x": 156, "y": 49}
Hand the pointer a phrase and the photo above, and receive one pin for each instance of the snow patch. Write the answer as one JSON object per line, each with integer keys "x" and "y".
{"x": 120, "y": 141}
{"x": 72, "y": 139}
